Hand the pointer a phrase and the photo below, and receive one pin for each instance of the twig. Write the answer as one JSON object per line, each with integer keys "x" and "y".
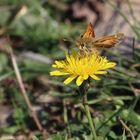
{"x": 135, "y": 91}
{"x": 6, "y": 48}
{"x": 23, "y": 91}
{"x": 127, "y": 128}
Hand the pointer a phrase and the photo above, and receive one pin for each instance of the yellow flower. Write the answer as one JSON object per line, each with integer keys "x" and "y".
{"x": 81, "y": 67}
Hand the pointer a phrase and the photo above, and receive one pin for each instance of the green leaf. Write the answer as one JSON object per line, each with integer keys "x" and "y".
{"x": 35, "y": 138}
{"x": 112, "y": 135}
{"x": 58, "y": 136}
{"x": 3, "y": 62}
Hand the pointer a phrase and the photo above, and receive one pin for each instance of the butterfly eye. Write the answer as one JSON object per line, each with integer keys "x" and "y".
{"x": 81, "y": 36}
{"x": 82, "y": 45}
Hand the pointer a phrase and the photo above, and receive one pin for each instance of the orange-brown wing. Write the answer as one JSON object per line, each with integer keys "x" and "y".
{"x": 107, "y": 41}
{"x": 89, "y": 32}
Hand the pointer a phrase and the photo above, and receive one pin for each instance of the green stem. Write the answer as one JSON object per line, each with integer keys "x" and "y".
{"x": 87, "y": 111}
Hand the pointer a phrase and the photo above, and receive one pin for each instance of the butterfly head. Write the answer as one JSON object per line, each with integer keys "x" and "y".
{"x": 80, "y": 44}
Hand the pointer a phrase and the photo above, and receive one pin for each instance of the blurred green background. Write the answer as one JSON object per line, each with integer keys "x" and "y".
{"x": 37, "y": 30}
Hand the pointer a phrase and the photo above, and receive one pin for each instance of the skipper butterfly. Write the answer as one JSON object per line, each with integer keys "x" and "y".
{"x": 89, "y": 43}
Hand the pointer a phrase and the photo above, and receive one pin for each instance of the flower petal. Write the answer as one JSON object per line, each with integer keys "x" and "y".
{"x": 95, "y": 77}
{"x": 69, "y": 79}
{"x": 101, "y": 72}
{"x": 54, "y": 66}
{"x": 79, "y": 80}
{"x": 60, "y": 64}
{"x": 58, "y": 73}
{"x": 109, "y": 65}
{"x": 85, "y": 77}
